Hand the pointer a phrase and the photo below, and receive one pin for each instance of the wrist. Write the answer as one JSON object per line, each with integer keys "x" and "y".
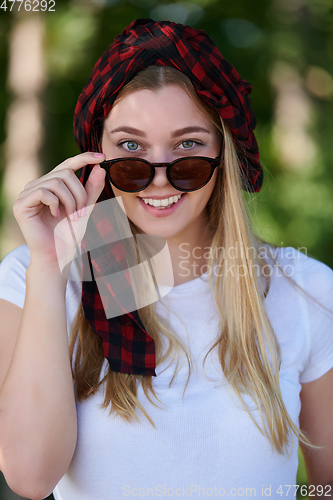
{"x": 45, "y": 271}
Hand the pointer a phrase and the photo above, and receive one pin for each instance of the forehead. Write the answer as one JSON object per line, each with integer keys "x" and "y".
{"x": 169, "y": 106}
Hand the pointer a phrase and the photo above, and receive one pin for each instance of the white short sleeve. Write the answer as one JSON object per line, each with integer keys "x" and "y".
{"x": 13, "y": 282}
{"x": 12, "y": 275}
{"x": 317, "y": 280}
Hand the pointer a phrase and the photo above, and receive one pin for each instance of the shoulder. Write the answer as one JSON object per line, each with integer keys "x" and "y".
{"x": 300, "y": 306}
{"x": 14, "y": 265}
{"x": 289, "y": 266}
{"x": 13, "y": 269}
{"x": 18, "y": 259}
{"x": 12, "y": 275}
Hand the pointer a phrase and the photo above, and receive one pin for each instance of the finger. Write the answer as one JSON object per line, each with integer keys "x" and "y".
{"x": 74, "y": 163}
{"x": 55, "y": 183}
{"x": 59, "y": 189}
{"x": 79, "y": 161}
{"x": 33, "y": 203}
{"x": 95, "y": 184}
{"x": 64, "y": 195}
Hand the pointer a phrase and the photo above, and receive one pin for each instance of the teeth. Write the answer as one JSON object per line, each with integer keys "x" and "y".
{"x": 162, "y": 203}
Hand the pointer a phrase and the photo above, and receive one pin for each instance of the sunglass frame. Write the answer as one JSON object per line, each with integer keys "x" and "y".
{"x": 213, "y": 162}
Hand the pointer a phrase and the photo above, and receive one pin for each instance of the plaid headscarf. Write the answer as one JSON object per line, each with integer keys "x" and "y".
{"x": 144, "y": 43}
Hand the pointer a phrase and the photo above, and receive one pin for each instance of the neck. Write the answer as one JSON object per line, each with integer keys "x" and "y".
{"x": 188, "y": 252}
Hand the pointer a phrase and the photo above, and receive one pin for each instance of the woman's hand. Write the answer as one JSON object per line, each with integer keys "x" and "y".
{"x": 52, "y": 198}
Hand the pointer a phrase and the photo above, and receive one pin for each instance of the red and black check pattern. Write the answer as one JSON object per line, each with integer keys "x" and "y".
{"x": 144, "y": 43}
{"x": 126, "y": 344}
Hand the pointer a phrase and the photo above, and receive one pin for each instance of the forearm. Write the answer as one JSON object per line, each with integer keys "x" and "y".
{"x": 37, "y": 405}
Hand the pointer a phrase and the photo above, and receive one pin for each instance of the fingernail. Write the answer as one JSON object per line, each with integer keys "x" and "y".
{"x": 75, "y": 215}
{"x": 83, "y": 211}
{"x": 98, "y": 155}
{"x": 58, "y": 213}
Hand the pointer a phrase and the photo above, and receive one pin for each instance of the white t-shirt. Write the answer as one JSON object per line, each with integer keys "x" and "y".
{"x": 204, "y": 443}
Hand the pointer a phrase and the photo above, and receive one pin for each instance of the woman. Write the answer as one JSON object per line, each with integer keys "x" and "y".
{"x": 199, "y": 392}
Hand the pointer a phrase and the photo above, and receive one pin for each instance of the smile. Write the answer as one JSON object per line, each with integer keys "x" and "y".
{"x": 162, "y": 204}
{"x": 164, "y": 207}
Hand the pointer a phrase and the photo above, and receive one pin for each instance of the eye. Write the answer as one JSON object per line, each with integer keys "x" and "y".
{"x": 189, "y": 144}
{"x": 130, "y": 145}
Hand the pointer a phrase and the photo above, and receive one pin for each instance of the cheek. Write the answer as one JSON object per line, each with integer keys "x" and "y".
{"x": 209, "y": 188}
{"x": 125, "y": 200}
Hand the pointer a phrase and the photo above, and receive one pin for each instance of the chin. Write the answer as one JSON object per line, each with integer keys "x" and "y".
{"x": 167, "y": 232}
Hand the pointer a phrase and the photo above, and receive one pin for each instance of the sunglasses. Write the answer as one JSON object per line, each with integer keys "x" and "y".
{"x": 185, "y": 174}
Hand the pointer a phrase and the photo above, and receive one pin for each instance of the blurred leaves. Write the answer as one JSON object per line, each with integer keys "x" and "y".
{"x": 68, "y": 36}
{"x": 180, "y": 12}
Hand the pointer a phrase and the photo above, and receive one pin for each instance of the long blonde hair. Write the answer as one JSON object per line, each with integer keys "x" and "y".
{"x": 240, "y": 304}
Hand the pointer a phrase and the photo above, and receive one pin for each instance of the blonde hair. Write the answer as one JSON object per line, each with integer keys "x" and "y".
{"x": 245, "y": 327}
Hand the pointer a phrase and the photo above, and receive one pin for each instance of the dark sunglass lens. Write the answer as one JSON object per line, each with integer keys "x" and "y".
{"x": 130, "y": 175}
{"x": 190, "y": 174}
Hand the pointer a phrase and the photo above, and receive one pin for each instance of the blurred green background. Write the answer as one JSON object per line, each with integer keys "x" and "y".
{"x": 283, "y": 47}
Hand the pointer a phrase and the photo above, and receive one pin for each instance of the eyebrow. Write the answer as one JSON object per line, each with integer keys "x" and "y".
{"x": 176, "y": 133}
{"x": 189, "y": 130}
{"x": 128, "y": 130}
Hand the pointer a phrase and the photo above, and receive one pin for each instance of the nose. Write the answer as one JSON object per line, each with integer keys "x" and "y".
{"x": 160, "y": 178}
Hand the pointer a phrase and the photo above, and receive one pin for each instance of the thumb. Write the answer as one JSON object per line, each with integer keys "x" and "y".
{"x": 95, "y": 184}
